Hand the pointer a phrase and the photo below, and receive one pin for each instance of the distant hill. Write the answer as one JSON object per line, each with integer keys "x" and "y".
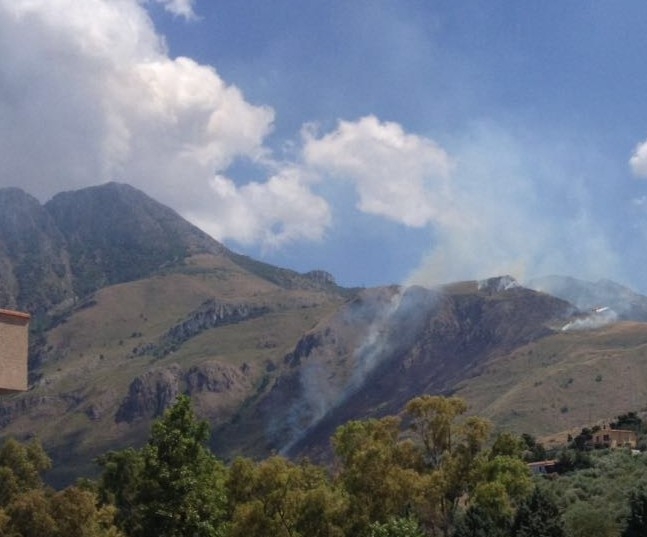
{"x": 133, "y": 305}
{"x": 587, "y": 296}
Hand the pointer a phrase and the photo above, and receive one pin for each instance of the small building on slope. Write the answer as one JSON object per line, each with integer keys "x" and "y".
{"x": 613, "y": 438}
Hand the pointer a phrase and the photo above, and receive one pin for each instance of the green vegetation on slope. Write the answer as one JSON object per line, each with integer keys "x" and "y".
{"x": 435, "y": 477}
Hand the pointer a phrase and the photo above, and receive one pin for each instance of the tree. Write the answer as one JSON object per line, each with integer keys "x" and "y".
{"x": 397, "y": 527}
{"x": 278, "y": 498}
{"x": 538, "y": 517}
{"x": 76, "y": 514}
{"x": 29, "y": 508}
{"x": 378, "y": 471}
{"x": 508, "y": 444}
{"x": 120, "y": 484}
{"x": 583, "y": 519}
{"x": 432, "y": 418}
{"x": 478, "y": 522}
{"x": 451, "y": 452}
{"x": 629, "y": 421}
{"x": 636, "y": 522}
{"x": 21, "y": 467}
{"x": 501, "y": 484}
{"x": 535, "y": 450}
{"x": 174, "y": 486}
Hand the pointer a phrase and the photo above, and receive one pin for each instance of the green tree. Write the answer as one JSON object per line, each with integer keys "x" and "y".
{"x": 432, "y": 418}
{"x": 182, "y": 490}
{"x": 397, "y": 527}
{"x": 509, "y": 444}
{"x": 538, "y": 517}
{"x": 120, "y": 484}
{"x": 277, "y": 498}
{"x": 534, "y": 450}
{"x": 636, "y": 522}
{"x": 29, "y": 508}
{"x": 174, "y": 486}
{"x": 76, "y": 514}
{"x": 584, "y": 519}
{"x": 478, "y": 522}
{"x": 21, "y": 468}
{"x": 502, "y": 483}
{"x": 30, "y": 515}
{"x": 377, "y": 471}
{"x": 451, "y": 453}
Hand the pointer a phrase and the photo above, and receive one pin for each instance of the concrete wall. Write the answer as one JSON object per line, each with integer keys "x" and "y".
{"x": 14, "y": 334}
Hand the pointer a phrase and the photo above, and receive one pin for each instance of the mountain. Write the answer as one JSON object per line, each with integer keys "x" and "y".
{"x": 386, "y": 346}
{"x": 588, "y": 296}
{"x": 133, "y": 305}
{"x": 34, "y": 260}
{"x": 116, "y": 233}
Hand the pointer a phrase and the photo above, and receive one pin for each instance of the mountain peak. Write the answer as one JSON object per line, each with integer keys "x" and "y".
{"x": 498, "y": 284}
{"x": 117, "y": 233}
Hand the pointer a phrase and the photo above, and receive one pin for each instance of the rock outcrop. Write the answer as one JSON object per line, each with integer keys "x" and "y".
{"x": 151, "y": 393}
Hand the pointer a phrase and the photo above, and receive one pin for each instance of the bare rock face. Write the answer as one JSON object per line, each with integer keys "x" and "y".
{"x": 210, "y": 314}
{"x": 216, "y": 378}
{"x": 150, "y": 394}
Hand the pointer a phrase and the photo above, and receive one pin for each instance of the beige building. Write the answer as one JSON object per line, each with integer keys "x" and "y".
{"x": 613, "y": 438}
{"x": 14, "y": 332}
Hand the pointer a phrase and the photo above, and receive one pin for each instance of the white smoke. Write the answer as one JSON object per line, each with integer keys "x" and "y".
{"x": 597, "y": 319}
{"x": 392, "y": 320}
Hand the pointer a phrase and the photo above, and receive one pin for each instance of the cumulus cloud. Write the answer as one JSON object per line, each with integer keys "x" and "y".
{"x": 278, "y": 211}
{"x": 89, "y": 94}
{"x": 638, "y": 160}
{"x": 399, "y": 176}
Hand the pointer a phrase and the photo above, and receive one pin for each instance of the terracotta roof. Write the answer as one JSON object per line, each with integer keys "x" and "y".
{"x": 15, "y": 314}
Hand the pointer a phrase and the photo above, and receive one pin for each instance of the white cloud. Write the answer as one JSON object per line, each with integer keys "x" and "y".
{"x": 400, "y": 176}
{"x": 279, "y": 211}
{"x": 638, "y": 161}
{"x": 182, "y": 8}
{"x": 88, "y": 94}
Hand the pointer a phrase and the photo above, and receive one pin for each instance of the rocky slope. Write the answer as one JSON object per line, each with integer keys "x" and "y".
{"x": 389, "y": 345}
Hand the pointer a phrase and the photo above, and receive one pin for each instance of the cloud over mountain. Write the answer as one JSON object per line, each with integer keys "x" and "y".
{"x": 397, "y": 175}
{"x": 90, "y": 94}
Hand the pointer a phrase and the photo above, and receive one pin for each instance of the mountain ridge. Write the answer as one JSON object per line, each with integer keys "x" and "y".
{"x": 126, "y": 319}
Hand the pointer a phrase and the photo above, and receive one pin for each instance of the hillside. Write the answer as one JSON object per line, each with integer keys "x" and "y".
{"x": 133, "y": 305}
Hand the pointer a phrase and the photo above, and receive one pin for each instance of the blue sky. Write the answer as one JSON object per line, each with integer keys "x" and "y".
{"x": 383, "y": 141}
